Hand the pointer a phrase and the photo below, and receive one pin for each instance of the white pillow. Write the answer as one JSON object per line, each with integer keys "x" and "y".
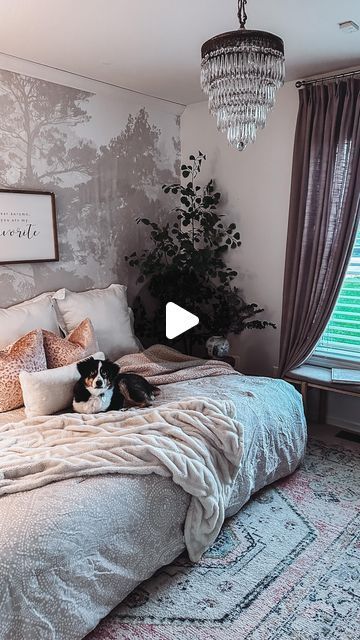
{"x": 132, "y": 325}
{"x": 108, "y": 312}
{"x": 52, "y": 390}
{"x": 16, "y": 321}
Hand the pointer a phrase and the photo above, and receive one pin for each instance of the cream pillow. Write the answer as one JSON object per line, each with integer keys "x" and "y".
{"x": 132, "y": 324}
{"x": 20, "y": 319}
{"x": 108, "y": 312}
{"x": 51, "y": 390}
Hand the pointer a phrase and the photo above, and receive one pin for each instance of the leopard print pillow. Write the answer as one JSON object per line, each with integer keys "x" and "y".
{"x": 79, "y": 344}
{"x": 26, "y": 354}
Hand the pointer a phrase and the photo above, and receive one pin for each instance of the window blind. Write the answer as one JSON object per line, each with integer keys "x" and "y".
{"x": 341, "y": 338}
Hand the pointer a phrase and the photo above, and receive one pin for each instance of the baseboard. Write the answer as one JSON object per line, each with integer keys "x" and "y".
{"x": 342, "y": 423}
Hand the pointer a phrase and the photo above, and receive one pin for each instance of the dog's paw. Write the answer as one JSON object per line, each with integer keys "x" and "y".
{"x": 96, "y": 404}
{"x": 93, "y": 405}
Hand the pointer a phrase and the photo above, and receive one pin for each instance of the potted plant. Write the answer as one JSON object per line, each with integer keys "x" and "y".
{"x": 185, "y": 263}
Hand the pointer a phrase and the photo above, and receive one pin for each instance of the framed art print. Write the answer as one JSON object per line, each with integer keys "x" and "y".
{"x": 28, "y": 226}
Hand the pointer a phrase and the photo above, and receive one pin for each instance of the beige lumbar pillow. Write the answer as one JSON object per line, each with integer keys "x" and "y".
{"x": 26, "y": 353}
{"x": 50, "y": 391}
{"x": 79, "y": 344}
{"x": 38, "y": 313}
{"x": 109, "y": 313}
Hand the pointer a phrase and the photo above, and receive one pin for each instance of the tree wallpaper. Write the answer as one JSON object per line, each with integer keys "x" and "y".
{"x": 106, "y": 163}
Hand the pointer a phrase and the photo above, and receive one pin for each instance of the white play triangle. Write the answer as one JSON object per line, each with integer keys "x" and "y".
{"x": 178, "y": 320}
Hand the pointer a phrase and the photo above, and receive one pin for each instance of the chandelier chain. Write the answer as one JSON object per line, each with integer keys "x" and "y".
{"x": 242, "y": 15}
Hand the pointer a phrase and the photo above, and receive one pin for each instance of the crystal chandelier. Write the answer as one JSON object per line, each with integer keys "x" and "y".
{"x": 241, "y": 72}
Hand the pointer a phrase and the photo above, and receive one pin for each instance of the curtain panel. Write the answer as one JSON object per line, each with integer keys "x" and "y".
{"x": 324, "y": 213}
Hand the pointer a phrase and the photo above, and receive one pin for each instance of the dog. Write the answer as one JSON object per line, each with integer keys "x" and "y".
{"x": 102, "y": 387}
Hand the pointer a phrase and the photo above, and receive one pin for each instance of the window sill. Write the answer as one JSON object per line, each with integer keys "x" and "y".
{"x": 329, "y": 362}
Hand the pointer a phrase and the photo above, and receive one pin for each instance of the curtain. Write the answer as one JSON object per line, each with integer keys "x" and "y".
{"x": 324, "y": 213}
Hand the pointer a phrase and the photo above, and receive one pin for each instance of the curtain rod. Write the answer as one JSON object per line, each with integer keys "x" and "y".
{"x": 303, "y": 83}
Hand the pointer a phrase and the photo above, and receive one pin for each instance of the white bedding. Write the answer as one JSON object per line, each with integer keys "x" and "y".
{"x": 194, "y": 441}
{"x": 71, "y": 550}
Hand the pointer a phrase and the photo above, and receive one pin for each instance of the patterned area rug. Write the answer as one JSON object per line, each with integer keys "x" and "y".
{"x": 287, "y": 567}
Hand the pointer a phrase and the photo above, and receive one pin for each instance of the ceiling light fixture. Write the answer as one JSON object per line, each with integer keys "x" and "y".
{"x": 349, "y": 26}
{"x": 241, "y": 72}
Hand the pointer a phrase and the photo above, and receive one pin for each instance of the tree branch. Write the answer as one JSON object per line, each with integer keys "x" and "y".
{"x": 74, "y": 169}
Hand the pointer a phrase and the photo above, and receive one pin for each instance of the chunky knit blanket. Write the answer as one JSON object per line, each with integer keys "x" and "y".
{"x": 197, "y": 442}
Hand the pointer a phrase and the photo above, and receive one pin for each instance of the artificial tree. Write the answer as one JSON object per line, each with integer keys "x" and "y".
{"x": 186, "y": 264}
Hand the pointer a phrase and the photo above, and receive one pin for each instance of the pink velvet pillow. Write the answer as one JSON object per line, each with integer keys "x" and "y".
{"x": 79, "y": 344}
{"x": 26, "y": 354}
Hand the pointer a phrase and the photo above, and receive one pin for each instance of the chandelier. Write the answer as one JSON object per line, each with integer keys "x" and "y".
{"x": 241, "y": 72}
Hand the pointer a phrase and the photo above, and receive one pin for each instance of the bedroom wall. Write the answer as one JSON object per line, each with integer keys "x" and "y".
{"x": 255, "y": 186}
{"x": 104, "y": 151}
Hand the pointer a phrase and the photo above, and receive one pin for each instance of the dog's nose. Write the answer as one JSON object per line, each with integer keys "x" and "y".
{"x": 98, "y": 383}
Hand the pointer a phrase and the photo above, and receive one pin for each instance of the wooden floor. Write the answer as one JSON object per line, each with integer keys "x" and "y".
{"x": 316, "y": 428}
{"x": 320, "y": 430}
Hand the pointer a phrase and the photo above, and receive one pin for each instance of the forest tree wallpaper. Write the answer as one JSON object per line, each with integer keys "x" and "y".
{"x": 105, "y": 161}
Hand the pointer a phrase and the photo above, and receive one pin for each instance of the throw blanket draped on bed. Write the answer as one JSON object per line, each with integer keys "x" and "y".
{"x": 196, "y": 442}
{"x": 163, "y": 365}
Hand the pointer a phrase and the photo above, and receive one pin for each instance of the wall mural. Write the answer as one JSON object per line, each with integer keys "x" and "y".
{"x": 106, "y": 165}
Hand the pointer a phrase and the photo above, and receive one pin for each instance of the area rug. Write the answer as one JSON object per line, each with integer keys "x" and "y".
{"x": 287, "y": 567}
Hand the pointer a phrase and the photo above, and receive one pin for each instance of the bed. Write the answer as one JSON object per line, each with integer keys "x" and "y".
{"x": 72, "y": 550}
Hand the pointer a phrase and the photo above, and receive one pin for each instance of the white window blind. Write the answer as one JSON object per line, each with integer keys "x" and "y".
{"x": 341, "y": 338}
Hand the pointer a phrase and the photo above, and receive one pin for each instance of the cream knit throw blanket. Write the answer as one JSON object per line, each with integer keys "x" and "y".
{"x": 197, "y": 442}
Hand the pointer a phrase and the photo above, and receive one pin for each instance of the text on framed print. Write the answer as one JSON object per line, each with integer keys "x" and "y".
{"x": 28, "y": 226}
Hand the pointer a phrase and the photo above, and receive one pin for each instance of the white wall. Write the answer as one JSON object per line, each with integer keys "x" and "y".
{"x": 255, "y": 185}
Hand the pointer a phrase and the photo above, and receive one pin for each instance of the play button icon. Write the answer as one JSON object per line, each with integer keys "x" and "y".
{"x": 178, "y": 320}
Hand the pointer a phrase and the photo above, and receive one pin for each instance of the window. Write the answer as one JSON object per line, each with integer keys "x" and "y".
{"x": 341, "y": 338}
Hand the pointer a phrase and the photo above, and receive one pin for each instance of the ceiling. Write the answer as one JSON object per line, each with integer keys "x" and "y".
{"x": 154, "y": 47}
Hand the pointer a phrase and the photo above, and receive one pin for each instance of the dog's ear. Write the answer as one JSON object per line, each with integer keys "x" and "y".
{"x": 111, "y": 368}
{"x": 84, "y": 366}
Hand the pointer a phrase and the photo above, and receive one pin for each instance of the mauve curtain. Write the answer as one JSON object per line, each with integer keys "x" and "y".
{"x": 324, "y": 213}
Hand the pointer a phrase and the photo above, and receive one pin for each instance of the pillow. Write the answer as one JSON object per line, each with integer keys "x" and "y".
{"x": 47, "y": 392}
{"x": 26, "y": 353}
{"x": 18, "y": 320}
{"x": 108, "y": 312}
{"x": 79, "y": 344}
{"x": 132, "y": 325}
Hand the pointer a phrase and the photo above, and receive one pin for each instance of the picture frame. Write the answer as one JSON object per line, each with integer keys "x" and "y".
{"x": 28, "y": 228}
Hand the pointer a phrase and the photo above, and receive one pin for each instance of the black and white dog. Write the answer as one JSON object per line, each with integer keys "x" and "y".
{"x": 103, "y": 388}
